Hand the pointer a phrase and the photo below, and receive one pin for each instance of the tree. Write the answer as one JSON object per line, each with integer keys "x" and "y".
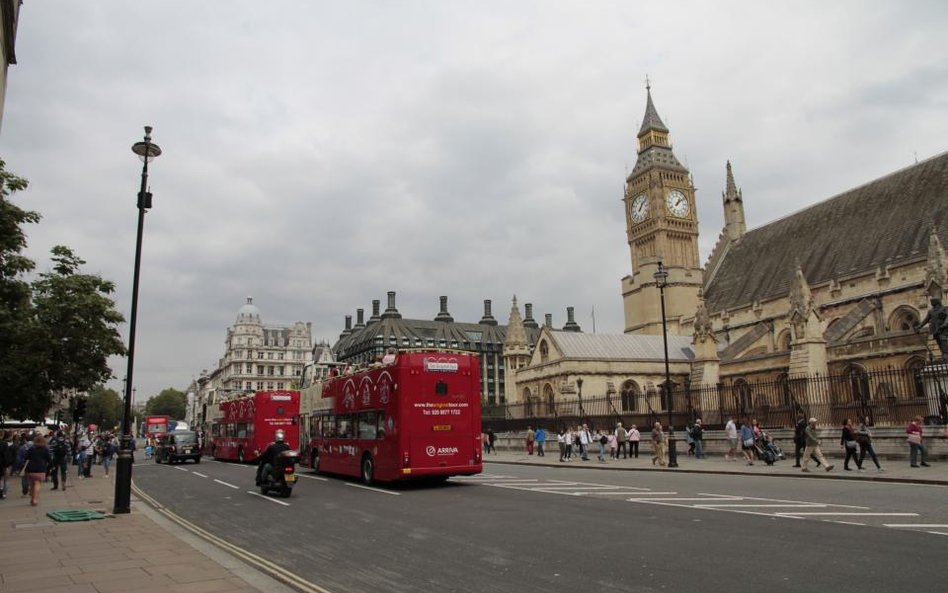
{"x": 170, "y": 402}
{"x": 104, "y": 407}
{"x": 57, "y": 333}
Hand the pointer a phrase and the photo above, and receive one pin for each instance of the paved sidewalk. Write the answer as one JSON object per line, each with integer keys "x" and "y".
{"x": 140, "y": 551}
{"x": 895, "y": 470}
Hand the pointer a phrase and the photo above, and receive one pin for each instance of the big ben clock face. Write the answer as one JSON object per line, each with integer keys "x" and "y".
{"x": 639, "y": 208}
{"x": 677, "y": 203}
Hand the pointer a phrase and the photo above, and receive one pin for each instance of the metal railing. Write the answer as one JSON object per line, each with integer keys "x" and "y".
{"x": 889, "y": 397}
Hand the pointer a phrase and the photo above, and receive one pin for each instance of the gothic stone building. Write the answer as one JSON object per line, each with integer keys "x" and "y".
{"x": 836, "y": 288}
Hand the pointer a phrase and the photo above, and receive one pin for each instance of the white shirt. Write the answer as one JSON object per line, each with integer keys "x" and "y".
{"x": 731, "y": 429}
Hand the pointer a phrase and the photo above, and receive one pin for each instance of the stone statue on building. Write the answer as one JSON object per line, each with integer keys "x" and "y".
{"x": 937, "y": 321}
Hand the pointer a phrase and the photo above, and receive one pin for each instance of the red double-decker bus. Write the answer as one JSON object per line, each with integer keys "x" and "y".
{"x": 247, "y": 424}
{"x": 418, "y": 414}
{"x": 155, "y": 426}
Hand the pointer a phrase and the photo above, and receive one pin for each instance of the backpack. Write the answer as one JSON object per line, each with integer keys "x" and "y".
{"x": 603, "y": 440}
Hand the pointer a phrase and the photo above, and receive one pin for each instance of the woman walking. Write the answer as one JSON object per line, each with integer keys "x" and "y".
{"x": 38, "y": 459}
{"x": 658, "y": 445}
{"x": 848, "y": 441}
{"x": 915, "y": 438}
{"x": 864, "y": 438}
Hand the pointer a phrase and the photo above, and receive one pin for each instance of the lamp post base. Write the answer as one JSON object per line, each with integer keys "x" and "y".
{"x": 672, "y": 449}
{"x": 123, "y": 478}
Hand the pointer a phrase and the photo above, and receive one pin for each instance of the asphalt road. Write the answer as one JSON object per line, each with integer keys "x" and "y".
{"x": 518, "y": 528}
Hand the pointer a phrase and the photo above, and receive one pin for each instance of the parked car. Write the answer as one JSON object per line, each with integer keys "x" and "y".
{"x": 178, "y": 446}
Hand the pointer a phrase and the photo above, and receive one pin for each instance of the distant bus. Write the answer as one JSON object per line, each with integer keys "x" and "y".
{"x": 155, "y": 426}
{"x": 247, "y": 424}
{"x": 418, "y": 414}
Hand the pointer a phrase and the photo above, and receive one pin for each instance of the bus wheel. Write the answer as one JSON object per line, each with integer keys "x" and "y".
{"x": 240, "y": 455}
{"x": 368, "y": 470}
{"x": 314, "y": 462}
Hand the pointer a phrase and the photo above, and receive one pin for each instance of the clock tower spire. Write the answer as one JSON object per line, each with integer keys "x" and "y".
{"x": 661, "y": 226}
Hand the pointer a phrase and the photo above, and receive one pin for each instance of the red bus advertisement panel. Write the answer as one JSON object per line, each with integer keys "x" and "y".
{"x": 155, "y": 426}
{"x": 248, "y": 424}
{"x": 417, "y": 415}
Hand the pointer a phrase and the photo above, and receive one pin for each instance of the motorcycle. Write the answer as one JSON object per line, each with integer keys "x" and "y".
{"x": 281, "y": 475}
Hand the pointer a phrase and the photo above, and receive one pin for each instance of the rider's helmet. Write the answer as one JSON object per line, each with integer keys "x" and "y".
{"x": 278, "y": 437}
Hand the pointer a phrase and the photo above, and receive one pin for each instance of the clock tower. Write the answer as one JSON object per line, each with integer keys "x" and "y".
{"x": 661, "y": 227}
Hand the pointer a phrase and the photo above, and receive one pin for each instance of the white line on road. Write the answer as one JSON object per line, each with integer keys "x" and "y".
{"x": 198, "y": 474}
{"x": 286, "y": 504}
{"x": 180, "y": 469}
{"x": 763, "y": 506}
{"x": 226, "y": 484}
{"x": 705, "y": 499}
{"x": 845, "y": 522}
{"x": 845, "y": 506}
{"x": 937, "y": 532}
{"x": 374, "y": 489}
{"x": 833, "y": 514}
{"x": 918, "y": 525}
{"x": 308, "y": 477}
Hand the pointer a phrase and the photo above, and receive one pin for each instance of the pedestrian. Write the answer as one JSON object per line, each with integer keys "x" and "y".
{"x": 747, "y": 441}
{"x": 799, "y": 441}
{"x": 585, "y": 439}
{"x": 531, "y": 437}
{"x": 864, "y": 438}
{"x": 731, "y": 430}
{"x": 61, "y": 451}
{"x": 561, "y": 441}
{"x": 634, "y": 437}
{"x": 108, "y": 451}
{"x": 603, "y": 445}
{"x": 916, "y": 442}
{"x": 658, "y": 445}
{"x": 485, "y": 442}
{"x": 37, "y": 460}
{"x": 541, "y": 441}
{"x": 622, "y": 437}
{"x": 7, "y": 459}
{"x": 813, "y": 447}
{"x": 690, "y": 439}
{"x": 613, "y": 446}
{"x": 491, "y": 440}
{"x": 848, "y": 441}
{"x": 82, "y": 448}
{"x": 697, "y": 434}
{"x": 569, "y": 437}
{"x": 26, "y": 443}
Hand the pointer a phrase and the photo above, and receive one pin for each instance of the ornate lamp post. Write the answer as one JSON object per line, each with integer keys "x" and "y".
{"x": 661, "y": 281}
{"x": 147, "y": 151}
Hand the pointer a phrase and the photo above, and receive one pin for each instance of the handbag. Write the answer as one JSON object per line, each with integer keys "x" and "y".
{"x": 851, "y": 444}
{"x": 914, "y": 438}
{"x": 748, "y": 442}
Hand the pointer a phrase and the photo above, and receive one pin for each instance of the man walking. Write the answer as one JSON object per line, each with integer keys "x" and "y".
{"x": 731, "y": 430}
{"x": 799, "y": 440}
{"x": 540, "y": 440}
{"x": 634, "y": 438}
{"x": 622, "y": 437}
{"x": 62, "y": 453}
{"x": 531, "y": 436}
{"x": 697, "y": 434}
{"x": 813, "y": 447}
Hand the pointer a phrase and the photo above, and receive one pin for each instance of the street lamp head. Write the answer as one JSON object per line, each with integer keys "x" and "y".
{"x": 146, "y": 150}
{"x": 579, "y": 382}
{"x": 661, "y": 276}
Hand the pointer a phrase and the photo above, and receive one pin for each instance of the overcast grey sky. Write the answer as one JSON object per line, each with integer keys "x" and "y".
{"x": 317, "y": 154}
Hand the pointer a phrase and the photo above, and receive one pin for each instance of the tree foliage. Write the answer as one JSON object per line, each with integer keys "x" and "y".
{"x": 104, "y": 407}
{"x": 57, "y": 333}
{"x": 170, "y": 402}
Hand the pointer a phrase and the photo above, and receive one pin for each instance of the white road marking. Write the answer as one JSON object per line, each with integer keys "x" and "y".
{"x": 845, "y": 522}
{"x": 226, "y": 484}
{"x": 286, "y": 504}
{"x": 198, "y": 474}
{"x": 845, "y": 506}
{"x": 374, "y": 489}
{"x": 705, "y": 499}
{"x": 918, "y": 525}
{"x": 937, "y": 532}
{"x": 772, "y": 506}
{"x": 180, "y": 469}
{"x": 846, "y": 514}
{"x": 308, "y": 477}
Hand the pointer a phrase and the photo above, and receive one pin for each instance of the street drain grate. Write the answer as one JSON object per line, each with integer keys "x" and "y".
{"x": 74, "y": 515}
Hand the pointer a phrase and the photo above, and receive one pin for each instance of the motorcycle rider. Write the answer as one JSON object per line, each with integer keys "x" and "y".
{"x": 270, "y": 454}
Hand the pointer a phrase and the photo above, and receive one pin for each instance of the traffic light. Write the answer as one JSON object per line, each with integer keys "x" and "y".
{"x": 80, "y": 409}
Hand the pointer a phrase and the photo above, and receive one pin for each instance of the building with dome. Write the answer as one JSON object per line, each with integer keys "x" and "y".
{"x": 257, "y": 357}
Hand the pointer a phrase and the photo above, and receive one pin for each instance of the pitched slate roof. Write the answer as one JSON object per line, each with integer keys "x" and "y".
{"x": 622, "y": 346}
{"x": 882, "y": 223}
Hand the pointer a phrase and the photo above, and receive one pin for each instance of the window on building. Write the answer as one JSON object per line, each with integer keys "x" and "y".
{"x": 259, "y": 385}
{"x": 280, "y": 385}
{"x": 259, "y": 369}
{"x": 270, "y": 386}
{"x": 280, "y": 356}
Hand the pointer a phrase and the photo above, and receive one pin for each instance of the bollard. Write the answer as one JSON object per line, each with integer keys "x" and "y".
{"x": 672, "y": 451}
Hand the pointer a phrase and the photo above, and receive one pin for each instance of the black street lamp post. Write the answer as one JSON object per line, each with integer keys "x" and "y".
{"x": 661, "y": 280}
{"x": 147, "y": 151}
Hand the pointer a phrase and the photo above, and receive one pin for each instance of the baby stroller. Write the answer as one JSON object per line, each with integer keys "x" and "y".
{"x": 767, "y": 450}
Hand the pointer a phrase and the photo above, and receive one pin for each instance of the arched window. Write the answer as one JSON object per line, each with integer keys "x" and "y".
{"x": 783, "y": 341}
{"x": 630, "y": 396}
{"x": 544, "y": 351}
{"x": 549, "y": 399}
{"x": 743, "y": 396}
{"x": 914, "y": 366}
{"x": 903, "y": 319}
{"x": 858, "y": 382}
